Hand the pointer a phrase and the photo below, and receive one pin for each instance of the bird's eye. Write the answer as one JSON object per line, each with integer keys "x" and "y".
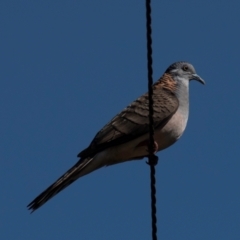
{"x": 185, "y": 68}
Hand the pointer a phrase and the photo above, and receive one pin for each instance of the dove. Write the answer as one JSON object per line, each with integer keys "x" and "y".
{"x": 126, "y": 136}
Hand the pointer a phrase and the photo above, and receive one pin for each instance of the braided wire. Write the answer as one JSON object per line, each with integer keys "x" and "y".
{"x": 152, "y": 159}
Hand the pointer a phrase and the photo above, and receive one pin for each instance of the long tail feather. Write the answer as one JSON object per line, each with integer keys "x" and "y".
{"x": 65, "y": 180}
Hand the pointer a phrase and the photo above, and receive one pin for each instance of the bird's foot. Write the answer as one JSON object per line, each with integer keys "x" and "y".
{"x": 153, "y": 160}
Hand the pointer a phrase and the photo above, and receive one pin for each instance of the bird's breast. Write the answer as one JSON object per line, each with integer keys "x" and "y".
{"x": 172, "y": 131}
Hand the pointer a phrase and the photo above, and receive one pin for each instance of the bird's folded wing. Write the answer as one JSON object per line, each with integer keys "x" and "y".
{"x": 133, "y": 121}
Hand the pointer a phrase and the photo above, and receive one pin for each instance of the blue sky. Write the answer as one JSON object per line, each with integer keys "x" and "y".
{"x": 67, "y": 67}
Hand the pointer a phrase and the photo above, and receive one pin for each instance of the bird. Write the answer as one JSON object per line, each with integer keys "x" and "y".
{"x": 126, "y": 136}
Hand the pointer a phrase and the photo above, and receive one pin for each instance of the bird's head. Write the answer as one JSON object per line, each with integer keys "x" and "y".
{"x": 183, "y": 71}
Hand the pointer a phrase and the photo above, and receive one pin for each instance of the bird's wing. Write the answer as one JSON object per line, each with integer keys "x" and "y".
{"x": 133, "y": 121}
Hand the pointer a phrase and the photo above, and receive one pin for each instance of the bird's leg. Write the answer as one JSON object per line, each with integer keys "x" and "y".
{"x": 155, "y": 147}
{"x": 146, "y": 143}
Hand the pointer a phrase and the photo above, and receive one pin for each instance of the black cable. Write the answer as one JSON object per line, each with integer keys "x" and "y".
{"x": 152, "y": 159}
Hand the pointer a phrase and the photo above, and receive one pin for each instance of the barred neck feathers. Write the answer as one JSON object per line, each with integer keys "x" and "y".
{"x": 177, "y": 86}
{"x": 166, "y": 82}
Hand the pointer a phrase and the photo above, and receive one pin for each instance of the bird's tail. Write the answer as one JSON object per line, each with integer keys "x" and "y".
{"x": 78, "y": 170}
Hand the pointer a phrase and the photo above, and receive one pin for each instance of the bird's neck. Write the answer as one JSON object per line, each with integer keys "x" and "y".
{"x": 177, "y": 86}
{"x": 182, "y": 93}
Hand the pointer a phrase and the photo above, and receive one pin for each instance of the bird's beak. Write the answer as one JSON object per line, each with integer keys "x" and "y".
{"x": 197, "y": 78}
